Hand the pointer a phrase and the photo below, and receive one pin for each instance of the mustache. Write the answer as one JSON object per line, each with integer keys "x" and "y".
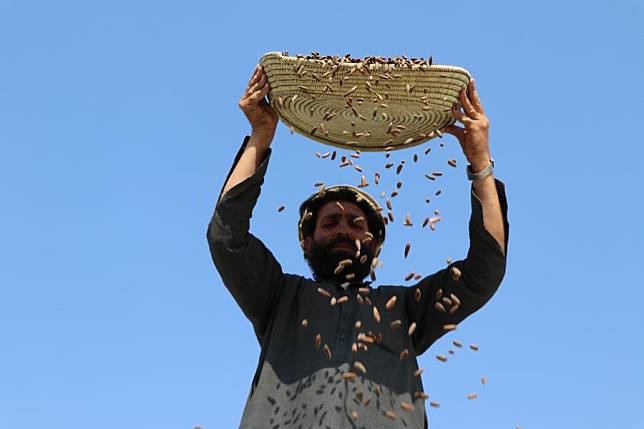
{"x": 341, "y": 240}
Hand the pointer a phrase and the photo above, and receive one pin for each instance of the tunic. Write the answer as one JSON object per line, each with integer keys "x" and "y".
{"x": 307, "y": 376}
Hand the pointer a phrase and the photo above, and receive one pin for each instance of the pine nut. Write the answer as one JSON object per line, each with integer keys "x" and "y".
{"x": 376, "y": 314}
{"x": 407, "y": 406}
{"x": 327, "y": 351}
{"x": 412, "y": 328}
{"x": 324, "y": 292}
{"x": 390, "y": 303}
{"x": 360, "y": 367}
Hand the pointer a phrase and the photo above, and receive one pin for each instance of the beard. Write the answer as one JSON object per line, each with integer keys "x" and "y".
{"x": 323, "y": 261}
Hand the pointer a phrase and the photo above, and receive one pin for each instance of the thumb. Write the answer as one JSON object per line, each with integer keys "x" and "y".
{"x": 457, "y": 132}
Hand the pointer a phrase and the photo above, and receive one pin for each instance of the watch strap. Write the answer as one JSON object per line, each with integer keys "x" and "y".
{"x": 481, "y": 174}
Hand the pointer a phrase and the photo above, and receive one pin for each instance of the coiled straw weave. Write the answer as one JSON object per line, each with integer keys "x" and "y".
{"x": 371, "y": 105}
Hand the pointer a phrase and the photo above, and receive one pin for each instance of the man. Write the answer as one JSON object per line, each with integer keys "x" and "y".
{"x": 337, "y": 352}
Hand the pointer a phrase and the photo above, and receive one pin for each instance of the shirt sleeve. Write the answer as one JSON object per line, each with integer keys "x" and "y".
{"x": 467, "y": 284}
{"x": 247, "y": 268}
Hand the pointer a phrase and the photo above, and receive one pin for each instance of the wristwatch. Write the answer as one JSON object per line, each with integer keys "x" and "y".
{"x": 481, "y": 174}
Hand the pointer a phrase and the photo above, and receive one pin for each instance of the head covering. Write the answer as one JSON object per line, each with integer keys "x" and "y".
{"x": 310, "y": 207}
{"x": 370, "y": 103}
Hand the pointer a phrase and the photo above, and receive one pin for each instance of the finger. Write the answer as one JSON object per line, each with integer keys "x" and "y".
{"x": 476, "y": 100}
{"x": 257, "y": 96}
{"x": 256, "y": 78}
{"x": 467, "y": 106}
{"x": 457, "y": 132}
{"x": 255, "y": 72}
{"x": 256, "y": 86}
{"x": 460, "y": 116}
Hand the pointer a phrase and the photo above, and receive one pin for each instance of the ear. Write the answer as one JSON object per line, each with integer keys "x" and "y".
{"x": 308, "y": 243}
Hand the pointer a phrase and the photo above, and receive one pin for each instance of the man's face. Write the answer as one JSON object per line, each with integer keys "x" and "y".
{"x": 336, "y": 229}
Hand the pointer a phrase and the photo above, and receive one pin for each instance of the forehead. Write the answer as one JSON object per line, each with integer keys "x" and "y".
{"x": 331, "y": 208}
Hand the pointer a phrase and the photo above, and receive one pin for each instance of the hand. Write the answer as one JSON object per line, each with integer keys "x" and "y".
{"x": 261, "y": 116}
{"x": 474, "y": 137}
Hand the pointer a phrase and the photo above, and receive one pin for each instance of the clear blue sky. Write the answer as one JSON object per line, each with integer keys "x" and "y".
{"x": 119, "y": 122}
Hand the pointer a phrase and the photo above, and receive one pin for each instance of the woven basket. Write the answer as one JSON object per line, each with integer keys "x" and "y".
{"x": 372, "y": 104}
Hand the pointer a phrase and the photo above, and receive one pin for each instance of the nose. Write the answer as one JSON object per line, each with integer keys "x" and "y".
{"x": 344, "y": 229}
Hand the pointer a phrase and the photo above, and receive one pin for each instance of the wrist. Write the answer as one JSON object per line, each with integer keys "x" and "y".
{"x": 479, "y": 163}
{"x": 261, "y": 138}
{"x": 478, "y": 173}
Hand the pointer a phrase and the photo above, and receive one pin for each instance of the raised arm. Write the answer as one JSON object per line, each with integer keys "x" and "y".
{"x": 474, "y": 140}
{"x": 450, "y": 295}
{"x": 263, "y": 122}
{"x": 247, "y": 268}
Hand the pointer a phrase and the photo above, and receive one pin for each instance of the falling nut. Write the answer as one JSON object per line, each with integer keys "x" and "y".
{"x": 349, "y": 375}
{"x": 455, "y": 299}
{"x": 412, "y": 328}
{"x": 407, "y": 406}
{"x": 338, "y": 269}
{"x": 360, "y": 367}
{"x": 408, "y": 221}
{"x": 421, "y": 395}
{"x": 395, "y": 324}
{"x": 324, "y": 292}
{"x": 376, "y": 314}
{"x": 327, "y": 351}
{"x": 390, "y": 303}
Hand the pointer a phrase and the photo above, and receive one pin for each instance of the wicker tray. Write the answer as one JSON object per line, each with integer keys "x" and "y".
{"x": 371, "y": 104}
